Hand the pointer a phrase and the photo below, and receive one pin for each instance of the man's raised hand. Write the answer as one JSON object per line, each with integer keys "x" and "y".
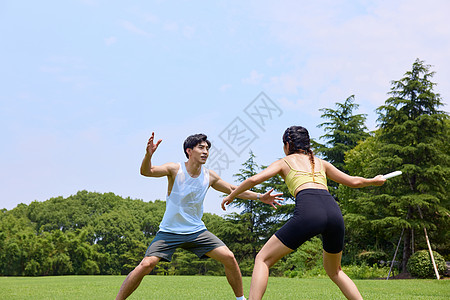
{"x": 151, "y": 146}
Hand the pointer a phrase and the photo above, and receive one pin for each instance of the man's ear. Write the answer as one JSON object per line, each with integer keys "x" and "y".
{"x": 189, "y": 151}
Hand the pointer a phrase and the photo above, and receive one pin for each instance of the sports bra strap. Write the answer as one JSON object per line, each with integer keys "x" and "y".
{"x": 320, "y": 161}
{"x": 288, "y": 163}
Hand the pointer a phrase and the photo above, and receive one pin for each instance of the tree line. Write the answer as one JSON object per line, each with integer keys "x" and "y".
{"x": 94, "y": 233}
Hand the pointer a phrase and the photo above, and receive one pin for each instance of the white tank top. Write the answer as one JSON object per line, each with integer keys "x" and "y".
{"x": 184, "y": 205}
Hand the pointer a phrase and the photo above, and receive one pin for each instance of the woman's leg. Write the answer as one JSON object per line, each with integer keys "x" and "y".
{"x": 272, "y": 252}
{"x": 332, "y": 265}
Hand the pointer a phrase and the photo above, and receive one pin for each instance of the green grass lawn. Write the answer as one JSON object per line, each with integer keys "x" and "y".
{"x": 206, "y": 287}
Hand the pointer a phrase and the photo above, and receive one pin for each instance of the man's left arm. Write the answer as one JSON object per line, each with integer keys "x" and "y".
{"x": 221, "y": 185}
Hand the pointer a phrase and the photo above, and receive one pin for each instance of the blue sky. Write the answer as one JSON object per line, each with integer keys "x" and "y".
{"x": 85, "y": 82}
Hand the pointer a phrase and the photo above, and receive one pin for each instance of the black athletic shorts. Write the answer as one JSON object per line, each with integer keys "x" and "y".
{"x": 316, "y": 212}
{"x": 165, "y": 243}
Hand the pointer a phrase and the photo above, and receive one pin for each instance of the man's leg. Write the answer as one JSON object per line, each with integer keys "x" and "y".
{"x": 135, "y": 277}
{"x": 234, "y": 276}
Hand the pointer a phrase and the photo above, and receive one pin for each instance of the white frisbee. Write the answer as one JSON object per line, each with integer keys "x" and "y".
{"x": 393, "y": 174}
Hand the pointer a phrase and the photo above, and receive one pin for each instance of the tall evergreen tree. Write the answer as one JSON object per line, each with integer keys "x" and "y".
{"x": 412, "y": 139}
{"x": 343, "y": 131}
{"x": 412, "y": 127}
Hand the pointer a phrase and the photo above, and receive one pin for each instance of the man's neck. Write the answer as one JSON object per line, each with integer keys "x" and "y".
{"x": 193, "y": 168}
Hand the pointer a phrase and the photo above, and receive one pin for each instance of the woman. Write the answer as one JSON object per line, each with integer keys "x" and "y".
{"x": 316, "y": 211}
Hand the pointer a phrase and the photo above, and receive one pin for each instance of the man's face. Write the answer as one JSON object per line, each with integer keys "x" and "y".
{"x": 199, "y": 153}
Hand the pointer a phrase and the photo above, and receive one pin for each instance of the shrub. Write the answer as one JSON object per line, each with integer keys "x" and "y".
{"x": 372, "y": 257}
{"x": 365, "y": 272}
{"x": 420, "y": 265}
{"x": 308, "y": 257}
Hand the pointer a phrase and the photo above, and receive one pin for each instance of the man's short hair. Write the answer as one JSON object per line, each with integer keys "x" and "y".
{"x": 193, "y": 140}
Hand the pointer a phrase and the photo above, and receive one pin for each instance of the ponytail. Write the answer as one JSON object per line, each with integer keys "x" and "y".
{"x": 311, "y": 159}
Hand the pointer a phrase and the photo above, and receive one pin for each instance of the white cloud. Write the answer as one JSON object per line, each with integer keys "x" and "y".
{"x": 188, "y": 31}
{"x": 110, "y": 40}
{"x": 144, "y": 16}
{"x": 92, "y": 135}
{"x": 285, "y": 84}
{"x": 69, "y": 70}
{"x": 50, "y": 69}
{"x": 68, "y": 62}
{"x": 150, "y": 18}
{"x": 297, "y": 104}
{"x": 170, "y": 26}
{"x": 356, "y": 48}
{"x": 134, "y": 29}
{"x": 255, "y": 78}
{"x": 225, "y": 87}
{"x": 79, "y": 82}
{"x": 90, "y": 2}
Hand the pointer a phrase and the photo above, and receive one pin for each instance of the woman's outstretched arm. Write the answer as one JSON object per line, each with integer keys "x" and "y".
{"x": 270, "y": 171}
{"x": 351, "y": 181}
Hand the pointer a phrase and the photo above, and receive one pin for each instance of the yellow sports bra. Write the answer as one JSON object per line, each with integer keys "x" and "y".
{"x": 296, "y": 178}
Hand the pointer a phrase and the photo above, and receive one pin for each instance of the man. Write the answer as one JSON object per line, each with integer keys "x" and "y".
{"x": 182, "y": 226}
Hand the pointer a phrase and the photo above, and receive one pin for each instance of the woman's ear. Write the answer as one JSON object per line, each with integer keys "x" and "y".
{"x": 286, "y": 148}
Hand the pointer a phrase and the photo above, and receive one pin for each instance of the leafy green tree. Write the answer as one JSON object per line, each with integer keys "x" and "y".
{"x": 86, "y": 233}
{"x": 15, "y": 231}
{"x": 253, "y": 214}
{"x": 306, "y": 258}
{"x": 342, "y": 132}
{"x": 412, "y": 127}
{"x": 132, "y": 256}
{"x": 58, "y": 261}
{"x": 364, "y": 231}
{"x": 410, "y": 140}
{"x": 152, "y": 217}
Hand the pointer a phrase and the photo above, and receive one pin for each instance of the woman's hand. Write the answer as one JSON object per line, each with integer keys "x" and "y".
{"x": 270, "y": 199}
{"x": 266, "y": 198}
{"x": 378, "y": 180}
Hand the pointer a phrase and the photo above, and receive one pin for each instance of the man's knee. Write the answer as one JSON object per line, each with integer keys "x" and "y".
{"x": 227, "y": 257}
{"x": 148, "y": 263}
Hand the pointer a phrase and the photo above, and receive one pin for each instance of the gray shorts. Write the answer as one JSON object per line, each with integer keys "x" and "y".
{"x": 164, "y": 244}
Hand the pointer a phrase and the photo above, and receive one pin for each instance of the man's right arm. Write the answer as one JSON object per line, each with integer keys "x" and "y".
{"x": 148, "y": 170}
{"x": 168, "y": 169}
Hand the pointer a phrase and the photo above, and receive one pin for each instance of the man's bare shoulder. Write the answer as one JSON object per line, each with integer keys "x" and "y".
{"x": 172, "y": 167}
{"x": 213, "y": 174}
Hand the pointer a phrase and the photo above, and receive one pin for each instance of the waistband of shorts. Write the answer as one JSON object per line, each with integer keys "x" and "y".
{"x": 182, "y": 234}
{"x": 313, "y": 192}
